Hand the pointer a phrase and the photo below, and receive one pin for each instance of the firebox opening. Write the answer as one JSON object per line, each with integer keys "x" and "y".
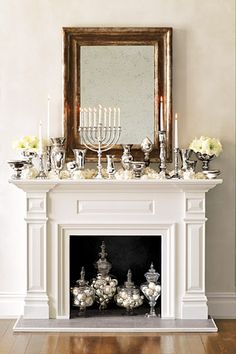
{"x": 124, "y": 253}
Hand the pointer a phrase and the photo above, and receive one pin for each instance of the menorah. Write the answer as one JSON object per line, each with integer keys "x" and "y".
{"x": 99, "y": 137}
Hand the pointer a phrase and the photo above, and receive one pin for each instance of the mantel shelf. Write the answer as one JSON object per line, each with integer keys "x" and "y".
{"x": 203, "y": 185}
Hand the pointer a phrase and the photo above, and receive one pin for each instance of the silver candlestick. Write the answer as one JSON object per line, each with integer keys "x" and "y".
{"x": 100, "y": 138}
{"x": 162, "y": 140}
{"x": 176, "y": 164}
{"x": 42, "y": 173}
{"x": 48, "y": 160}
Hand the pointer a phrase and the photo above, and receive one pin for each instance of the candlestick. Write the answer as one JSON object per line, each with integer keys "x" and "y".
{"x": 176, "y": 132}
{"x": 48, "y": 120}
{"x": 161, "y": 114}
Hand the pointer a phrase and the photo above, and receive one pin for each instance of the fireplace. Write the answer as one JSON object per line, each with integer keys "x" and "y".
{"x": 171, "y": 210}
{"x": 123, "y": 252}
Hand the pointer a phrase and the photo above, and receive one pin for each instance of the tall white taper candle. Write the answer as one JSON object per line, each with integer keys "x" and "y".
{"x": 81, "y": 118}
{"x": 118, "y": 110}
{"x": 48, "y": 121}
{"x": 161, "y": 114}
{"x": 176, "y": 131}
{"x": 114, "y": 117}
{"x": 109, "y": 117}
{"x": 100, "y": 114}
{"x": 94, "y": 117}
{"x": 90, "y": 116}
{"x": 40, "y": 150}
{"x": 105, "y": 116}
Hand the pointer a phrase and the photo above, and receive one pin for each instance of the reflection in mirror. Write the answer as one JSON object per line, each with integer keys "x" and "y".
{"x": 121, "y": 76}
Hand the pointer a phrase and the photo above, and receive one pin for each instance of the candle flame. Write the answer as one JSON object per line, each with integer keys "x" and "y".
{"x": 161, "y": 99}
{"x": 176, "y": 115}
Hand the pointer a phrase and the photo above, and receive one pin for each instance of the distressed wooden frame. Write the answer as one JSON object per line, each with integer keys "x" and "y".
{"x": 159, "y": 37}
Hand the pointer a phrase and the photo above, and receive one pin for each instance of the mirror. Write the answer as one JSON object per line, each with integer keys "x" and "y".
{"x": 129, "y": 68}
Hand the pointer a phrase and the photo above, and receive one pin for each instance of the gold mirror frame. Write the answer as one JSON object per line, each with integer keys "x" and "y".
{"x": 159, "y": 37}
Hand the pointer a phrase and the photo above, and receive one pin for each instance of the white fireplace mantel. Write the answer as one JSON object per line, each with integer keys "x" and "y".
{"x": 174, "y": 209}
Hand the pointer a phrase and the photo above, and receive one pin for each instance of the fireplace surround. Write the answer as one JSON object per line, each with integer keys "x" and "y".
{"x": 172, "y": 209}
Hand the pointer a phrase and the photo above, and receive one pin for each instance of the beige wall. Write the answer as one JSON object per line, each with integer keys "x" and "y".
{"x": 204, "y": 93}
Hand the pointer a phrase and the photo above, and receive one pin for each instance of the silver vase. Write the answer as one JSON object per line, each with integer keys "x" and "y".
{"x": 111, "y": 170}
{"x": 80, "y": 158}
{"x": 185, "y": 155}
{"x": 58, "y": 154}
{"x": 126, "y": 158}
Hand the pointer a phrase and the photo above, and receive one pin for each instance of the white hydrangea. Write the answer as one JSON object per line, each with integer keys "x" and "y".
{"x": 206, "y": 145}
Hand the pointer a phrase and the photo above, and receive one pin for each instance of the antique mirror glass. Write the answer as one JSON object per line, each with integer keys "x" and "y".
{"x": 128, "y": 68}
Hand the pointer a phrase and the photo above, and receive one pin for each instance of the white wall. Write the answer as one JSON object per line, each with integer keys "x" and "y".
{"x": 204, "y": 93}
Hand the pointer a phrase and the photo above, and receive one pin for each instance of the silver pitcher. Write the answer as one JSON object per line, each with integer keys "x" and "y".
{"x": 80, "y": 158}
{"x": 58, "y": 154}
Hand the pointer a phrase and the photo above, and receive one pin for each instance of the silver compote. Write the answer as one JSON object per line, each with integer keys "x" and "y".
{"x": 104, "y": 284}
{"x": 58, "y": 154}
{"x": 18, "y": 166}
{"x": 83, "y": 294}
{"x": 151, "y": 289}
{"x": 128, "y": 295}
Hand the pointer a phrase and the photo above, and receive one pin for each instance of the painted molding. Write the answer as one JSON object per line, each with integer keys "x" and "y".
{"x": 11, "y": 304}
{"x": 222, "y": 304}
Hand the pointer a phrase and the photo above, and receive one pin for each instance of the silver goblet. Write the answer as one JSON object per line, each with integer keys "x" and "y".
{"x": 18, "y": 166}
{"x": 185, "y": 155}
{"x": 80, "y": 158}
{"x": 147, "y": 147}
{"x": 29, "y": 155}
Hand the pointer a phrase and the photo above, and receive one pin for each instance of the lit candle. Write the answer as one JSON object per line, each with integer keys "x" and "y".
{"x": 114, "y": 117}
{"x": 40, "y": 150}
{"x": 176, "y": 131}
{"x": 90, "y": 116}
{"x": 48, "y": 121}
{"x": 100, "y": 114}
{"x": 161, "y": 114}
{"x": 118, "y": 110}
{"x": 94, "y": 117}
{"x": 85, "y": 117}
{"x": 105, "y": 117}
{"x": 81, "y": 117}
{"x": 109, "y": 117}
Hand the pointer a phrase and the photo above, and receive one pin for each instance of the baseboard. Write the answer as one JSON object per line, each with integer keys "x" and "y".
{"x": 222, "y": 305}
{"x": 11, "y": 304}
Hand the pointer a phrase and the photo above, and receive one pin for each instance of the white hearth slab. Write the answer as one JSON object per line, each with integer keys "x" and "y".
{"x": 114, "y": 324}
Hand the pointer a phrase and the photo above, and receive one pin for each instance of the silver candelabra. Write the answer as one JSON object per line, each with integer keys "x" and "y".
{"x": 99, "y": 137}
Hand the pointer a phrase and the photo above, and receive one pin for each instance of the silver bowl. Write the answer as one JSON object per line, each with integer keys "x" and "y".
{"x": 137, "y": 167}
{"x": 212, "y": 174}
{"x": 18, "y": 166}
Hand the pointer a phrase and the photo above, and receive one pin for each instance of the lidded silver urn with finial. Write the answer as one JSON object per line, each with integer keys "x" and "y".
{"x": 151, "y": 289}
{"x": 104, "y": 284}
{"x": 128, "y": 295}
{"x": 83, "y": 294}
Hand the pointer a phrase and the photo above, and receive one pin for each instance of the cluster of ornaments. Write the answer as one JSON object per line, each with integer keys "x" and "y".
{"x": 105, "y": 287}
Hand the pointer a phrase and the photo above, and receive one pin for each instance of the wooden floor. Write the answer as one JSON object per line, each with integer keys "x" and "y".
{"x": 111, "y": 343}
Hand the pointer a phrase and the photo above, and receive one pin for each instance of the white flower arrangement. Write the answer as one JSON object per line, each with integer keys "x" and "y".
{"x": 206, "y": 145}
{"x": 26, "y": 143}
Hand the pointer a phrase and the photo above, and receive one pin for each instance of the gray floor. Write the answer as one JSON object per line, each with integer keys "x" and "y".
{"x": 114, "y": 324}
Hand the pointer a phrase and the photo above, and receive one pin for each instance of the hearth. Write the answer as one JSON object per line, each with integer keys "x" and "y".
{"x": 124, "y": 253}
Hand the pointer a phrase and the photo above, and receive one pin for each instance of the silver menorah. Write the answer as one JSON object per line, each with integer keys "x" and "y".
{"x": 99, "y": 137}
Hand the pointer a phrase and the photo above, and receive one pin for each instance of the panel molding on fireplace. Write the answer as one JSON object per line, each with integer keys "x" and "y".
{"x": 134, "y": 207}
